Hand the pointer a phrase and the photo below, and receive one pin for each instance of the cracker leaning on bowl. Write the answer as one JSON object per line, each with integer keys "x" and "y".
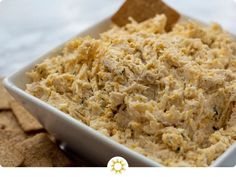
{"x": 141, "y": 10}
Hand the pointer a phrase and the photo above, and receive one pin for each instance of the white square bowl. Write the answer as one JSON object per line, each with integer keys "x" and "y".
{"x": 82, "y": 139}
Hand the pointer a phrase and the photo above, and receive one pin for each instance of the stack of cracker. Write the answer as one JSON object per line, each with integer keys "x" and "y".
{"x": 23, "y": 141}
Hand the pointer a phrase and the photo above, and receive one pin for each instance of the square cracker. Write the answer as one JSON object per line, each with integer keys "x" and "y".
{"x": 40, "y": 151}
{"x": 141, "y": 10}
{"x": 11, "y": 136}
{"x": 25, "y": 119}
{"x": 9, "y": 122}
{"x": 5, "y": 97}
{"x": 9, "y": 156}
{"x": 10, "y": 129}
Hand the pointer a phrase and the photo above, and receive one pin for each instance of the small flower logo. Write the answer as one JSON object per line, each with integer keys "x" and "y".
{"x": 117, "y": 165}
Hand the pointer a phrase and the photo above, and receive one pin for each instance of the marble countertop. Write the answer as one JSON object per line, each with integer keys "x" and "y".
{"x": 30, "y": 28}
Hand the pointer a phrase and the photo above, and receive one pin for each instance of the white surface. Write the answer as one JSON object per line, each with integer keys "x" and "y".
{"x": 96, "y": 147}
{"x": 29, "y": 28}
{"x": 106, "y": 172}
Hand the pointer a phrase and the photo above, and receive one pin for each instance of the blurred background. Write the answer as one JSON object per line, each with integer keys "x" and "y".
{"x": 29, "y": 28}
